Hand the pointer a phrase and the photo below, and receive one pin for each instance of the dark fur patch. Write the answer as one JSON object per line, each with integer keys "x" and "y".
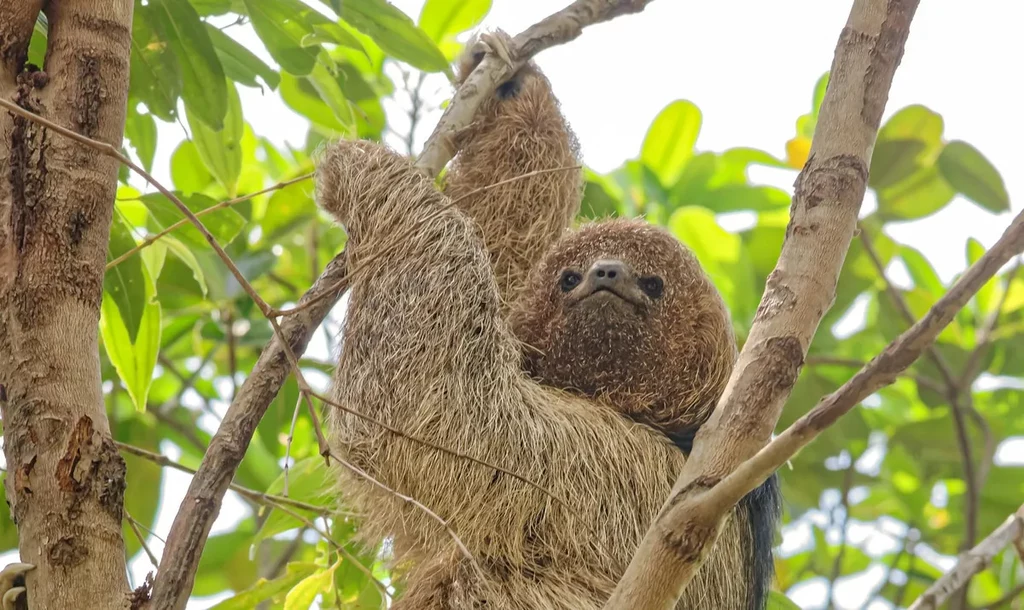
{"x": 508, "y": 89}
{"x": 764, "y": 510}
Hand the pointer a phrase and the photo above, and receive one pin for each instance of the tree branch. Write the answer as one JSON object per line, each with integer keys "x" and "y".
{"x": 954, "y": 395}
{"x": 829, "y": 191}
{"x": 562, "y": 27}
{"x": 202, "y": 503}
{"x": 972, "y": 562}
{"x": 703, "y": 510}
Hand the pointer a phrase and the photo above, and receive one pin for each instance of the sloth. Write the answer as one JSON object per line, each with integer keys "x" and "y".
{"x": 581, "y": 360}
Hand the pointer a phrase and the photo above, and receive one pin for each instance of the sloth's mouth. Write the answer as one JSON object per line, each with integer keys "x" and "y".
{"x": 608, "y": 292}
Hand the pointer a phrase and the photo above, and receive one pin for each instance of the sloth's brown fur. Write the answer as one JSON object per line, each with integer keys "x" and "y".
{"x": 665, "y": 363}
{"x": 511, "y": 137}
{"x": 428, "y": 348}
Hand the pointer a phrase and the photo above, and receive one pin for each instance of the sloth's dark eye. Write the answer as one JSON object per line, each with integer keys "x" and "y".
{"x": 653, "y": 286}
{"x": 569, "y": 280}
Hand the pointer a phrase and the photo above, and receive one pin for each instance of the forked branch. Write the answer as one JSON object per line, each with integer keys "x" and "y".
{"x": 798, "y": 292}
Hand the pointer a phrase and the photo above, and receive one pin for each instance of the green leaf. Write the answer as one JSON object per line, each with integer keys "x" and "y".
{"x": 302, "y": 97}
{"x": 441, "y": 19}
{"x": 330, "y": 92}
{"x": 186, "y": 256}
{"x": 921, "y": 271}
{"x": 240, "y": 65}
{"x": 973, "y": 176}
{"x": 307, "y": 482}
{"x": 737, "y": 197}
{"x": 986, "y": 296}
{"x": 302, "y": 595}
{"x": 220, "y": 148}
{"x": 922, "y": 194}
{"x": 140, "y": 129}
{"x": 910, "y": 140}
{"x": 395, "y": 33}
{"x": 224, "y": 224}
{"x": 281, "y": 27}
{"x": 133, "y": 360}
{"x": 125, "y": 283}
{"x": 188, "y": 172}
{"x": 204, "y": 89}
{"x": 721, "y": 254}
{"x": 155, "y": 75}
{"x": 778, "y": 601}
{"x": 266, "y": 589}
{"x": 669, "y": 142}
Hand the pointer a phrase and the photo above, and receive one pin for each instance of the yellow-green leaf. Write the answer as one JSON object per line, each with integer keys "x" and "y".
{"x": 441, "y": 19}
{"x": 302, "y": 595}
{"x": 133, "y": 360}
{"x": 395, "y": 33}
{"x": 220, "y": 149}
{"x": 266, "y": 589}
{"x": 669, "y": 142}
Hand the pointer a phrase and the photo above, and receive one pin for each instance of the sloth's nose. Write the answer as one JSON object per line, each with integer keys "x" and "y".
{"x": 608, "y": 273}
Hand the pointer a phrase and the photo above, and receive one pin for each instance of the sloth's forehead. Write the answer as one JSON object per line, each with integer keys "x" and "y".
{"x": 643, "y": 256}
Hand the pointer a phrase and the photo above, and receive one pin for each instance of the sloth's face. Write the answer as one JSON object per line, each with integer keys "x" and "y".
{"x": 622, "y": 310}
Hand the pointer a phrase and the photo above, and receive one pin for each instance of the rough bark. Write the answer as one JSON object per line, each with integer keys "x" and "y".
{"x": 799, "y": 291}
{"x": 201, "y": 505}
{"x": 65, "y": 480}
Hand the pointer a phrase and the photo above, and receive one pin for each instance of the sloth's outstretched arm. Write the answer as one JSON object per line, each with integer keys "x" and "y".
{"x": 425, "y": 349}
{"x": 519, "y": 130}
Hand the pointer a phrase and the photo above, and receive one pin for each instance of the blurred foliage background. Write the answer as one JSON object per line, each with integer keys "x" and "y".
{"x": 179, "y": 335}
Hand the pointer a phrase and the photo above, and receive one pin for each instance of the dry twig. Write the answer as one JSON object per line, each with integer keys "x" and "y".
{"x": 972, "y": 562}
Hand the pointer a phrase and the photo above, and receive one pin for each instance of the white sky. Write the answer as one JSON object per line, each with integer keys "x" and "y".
{"x": 750, "y": 66}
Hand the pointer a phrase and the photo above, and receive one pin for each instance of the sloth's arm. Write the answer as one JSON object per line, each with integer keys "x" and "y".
{"x": 519, "y": 130}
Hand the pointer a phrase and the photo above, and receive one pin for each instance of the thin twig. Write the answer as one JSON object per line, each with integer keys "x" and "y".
{"x": 413, "y": 502}
{"x": 132, "y": 523}
{"x": 149, "y": 241}
{"x": 110, "y": 151}
{"x": 844, "y": 503}
{"x": 399, "y": 433}
{"x": 985, "y": 335}
{"x": 288, "y": 444}
{"x": 973, "y": 561}
{"x": 256, "y": 496}
{"x": 822, "y": 360}
{"x": 337, "y": 547}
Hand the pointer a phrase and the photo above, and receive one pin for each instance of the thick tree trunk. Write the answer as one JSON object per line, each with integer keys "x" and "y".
{"x": 65, "y": 479}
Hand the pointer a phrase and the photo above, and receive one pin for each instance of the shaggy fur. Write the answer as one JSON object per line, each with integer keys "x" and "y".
{"x": 427, "y": 350}
{"x": 428, "y": 347}
{"x": 663, "y": 362}
{"x": 520, "y": 130}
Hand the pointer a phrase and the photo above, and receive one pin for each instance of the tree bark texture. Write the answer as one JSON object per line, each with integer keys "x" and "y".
{"x": 823, "y": 217}
{"x": 201, "y": 505}
{"x": 65, "y": 479}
